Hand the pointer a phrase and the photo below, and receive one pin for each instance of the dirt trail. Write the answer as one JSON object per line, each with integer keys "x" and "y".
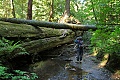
{"x": 90, "y": 65}
{"x": 64, "y": 67}
{"x": 95, "y": 72}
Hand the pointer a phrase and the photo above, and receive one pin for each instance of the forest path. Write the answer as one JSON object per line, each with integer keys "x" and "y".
{"x": 89, "y": 69}
{"x": 64, "y": 67}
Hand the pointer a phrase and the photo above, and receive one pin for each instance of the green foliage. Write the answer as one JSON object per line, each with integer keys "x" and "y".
{"x": 5, "y": 11}
{"x": 20, "y": 8}
{"x": 41, "y": 9}
{"x": 3, "y": 73}
{"x": 18, "y": 75}
{"x": 7, "y": 47}
{"x": 107, "y": 41}
{"x": 106, "y": 11}
{"x": 24, "y": 75}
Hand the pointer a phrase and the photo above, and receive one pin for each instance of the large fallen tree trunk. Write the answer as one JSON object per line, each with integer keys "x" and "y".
{"x": 49, "y": 24}
{"x": 46, "y": 43}
{"x": 38, "y": 41}
{"x": 26, "y": 31}
{"x": 36, "y": 46}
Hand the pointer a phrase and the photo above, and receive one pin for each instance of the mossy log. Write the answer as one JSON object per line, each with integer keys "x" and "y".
{"x": 39, "y": 45}
{"x": 23, "y": 30}
{"x": 50, "y": 24}
{"x": 44, "y": 40}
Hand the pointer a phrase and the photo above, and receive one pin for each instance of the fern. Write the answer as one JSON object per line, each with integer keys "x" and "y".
{"x": 7, "y": 47}
{"x": 18, "y": 74}
{"x": 3, "y": 73}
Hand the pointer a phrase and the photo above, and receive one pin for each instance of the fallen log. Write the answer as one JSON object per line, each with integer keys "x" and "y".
{"x": 36, "y": 46}
{"x": 26, "y": 31}
{"x": 39, "y": 45}
{"x": 46, "y": 39}
{"x": 49, "y": 24}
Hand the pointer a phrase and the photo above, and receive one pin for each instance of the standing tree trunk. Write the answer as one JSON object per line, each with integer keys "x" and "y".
{"x": 51, "y": 10}
{"x": 66, "y": 12}
{"x": 67, "y": 8}
{"x": 13, "y": 9}
{"x": 29, "y": 13}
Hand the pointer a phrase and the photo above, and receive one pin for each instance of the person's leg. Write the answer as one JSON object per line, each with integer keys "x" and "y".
{"x": 78, "y": 55}
{"x": 81, "y": 54}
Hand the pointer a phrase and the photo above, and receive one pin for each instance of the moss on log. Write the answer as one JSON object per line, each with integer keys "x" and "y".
{"x": 46, "y": 43}
{"x": 46, "y": 39}
{"x": 23, "y": 30}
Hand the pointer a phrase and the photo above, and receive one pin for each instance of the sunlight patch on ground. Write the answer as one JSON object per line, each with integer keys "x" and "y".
{"x": 95, "y": 51}
{"x": 116, "y": 75}
{"x": 103, "y": 63}
{"x": 105, "y": 60}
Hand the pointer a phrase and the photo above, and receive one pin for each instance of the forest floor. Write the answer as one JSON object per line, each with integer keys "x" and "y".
{"x": 64, "y": 67}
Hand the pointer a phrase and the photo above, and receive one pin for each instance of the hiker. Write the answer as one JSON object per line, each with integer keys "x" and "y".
{"x": 79, "y": 48}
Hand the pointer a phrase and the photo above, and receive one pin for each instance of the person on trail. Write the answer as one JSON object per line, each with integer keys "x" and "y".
{"x": 79, "y": 48}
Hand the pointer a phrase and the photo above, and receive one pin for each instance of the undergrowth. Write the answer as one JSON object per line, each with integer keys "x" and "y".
{"x": 7, "y": 51}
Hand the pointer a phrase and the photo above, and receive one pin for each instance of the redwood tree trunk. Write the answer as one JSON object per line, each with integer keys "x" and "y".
{"x": 13, "y": 9}
{"x": 51, "y": 10}
{"x": 66, "y": 12}
{"x": 29, "y": 14}
{"x": 67, "y": 8}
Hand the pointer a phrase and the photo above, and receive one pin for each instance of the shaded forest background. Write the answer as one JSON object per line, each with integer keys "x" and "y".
{"x": 101, "y": 13}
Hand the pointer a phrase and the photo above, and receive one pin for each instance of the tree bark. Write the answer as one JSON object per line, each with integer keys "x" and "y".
{"x": 66, "y": 14}
{"x": 67, "y": 8}
{"x": 50, "y": 24}
{"x": 46, "y": 43}
{"x": 51, "y": 10}
{"x": 29, "y": 13}
{"x": 13, "y": 9}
